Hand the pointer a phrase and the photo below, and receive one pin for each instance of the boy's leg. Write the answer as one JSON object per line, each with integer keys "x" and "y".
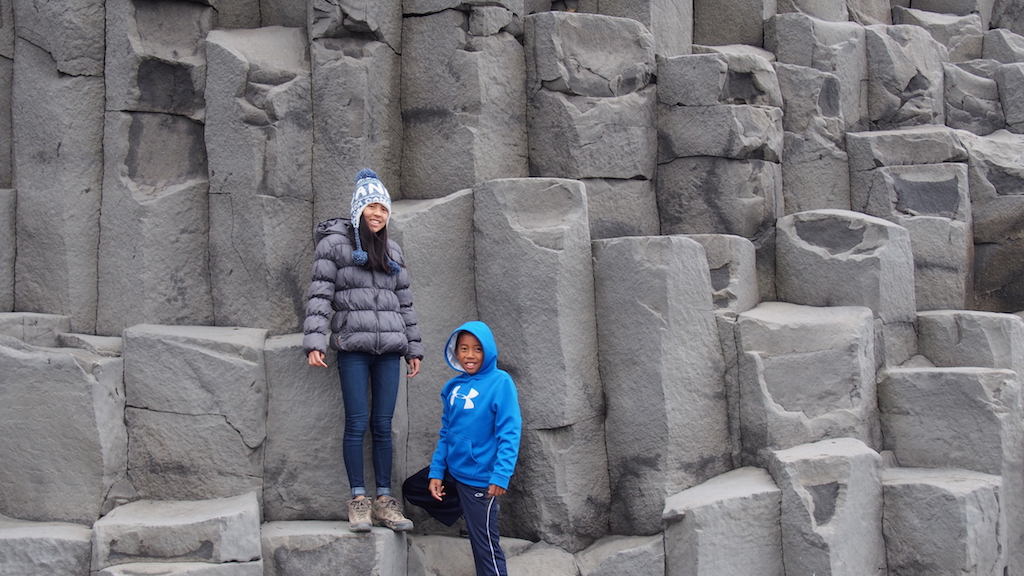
{"x": 481, "y": 512}
{"x": 416, "y": 490}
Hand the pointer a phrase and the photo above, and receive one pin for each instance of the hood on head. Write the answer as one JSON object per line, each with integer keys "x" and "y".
{"x": 332, "y": 226}
{"x": 486, "y": 338}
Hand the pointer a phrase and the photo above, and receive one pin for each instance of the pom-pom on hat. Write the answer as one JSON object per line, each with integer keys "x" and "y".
{"x": 369, "y": 190}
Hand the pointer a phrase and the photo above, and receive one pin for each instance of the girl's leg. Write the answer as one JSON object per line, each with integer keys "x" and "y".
{"x": 481, "y": 513}
{"x": 354, "y": 371}
{"x": 385, "y": 372}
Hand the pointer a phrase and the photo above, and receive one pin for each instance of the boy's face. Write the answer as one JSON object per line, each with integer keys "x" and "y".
{"x": 469, "y": 353}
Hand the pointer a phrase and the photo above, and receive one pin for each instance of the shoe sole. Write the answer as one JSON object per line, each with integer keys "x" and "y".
{"x": 396, "y": 526}
{"x": 359, "y": 528}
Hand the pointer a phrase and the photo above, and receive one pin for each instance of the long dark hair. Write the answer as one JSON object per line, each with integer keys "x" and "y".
{"x": 378, "y": 257}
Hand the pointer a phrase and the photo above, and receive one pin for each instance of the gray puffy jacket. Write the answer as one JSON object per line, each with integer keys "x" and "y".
{"x": 366, "y": 311}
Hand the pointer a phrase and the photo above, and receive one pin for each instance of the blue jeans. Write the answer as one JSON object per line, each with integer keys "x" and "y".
{"x": 372, "y": 404}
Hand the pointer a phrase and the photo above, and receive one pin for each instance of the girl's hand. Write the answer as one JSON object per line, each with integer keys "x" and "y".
{"x": 316, "y": 358}
{"x": 436, "y": 489}
{"x": 414, "y": 367}
{"x": 495, "y": 490}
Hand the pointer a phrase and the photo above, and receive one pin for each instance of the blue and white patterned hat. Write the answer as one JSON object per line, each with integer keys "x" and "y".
{"x": 369, "y": 189}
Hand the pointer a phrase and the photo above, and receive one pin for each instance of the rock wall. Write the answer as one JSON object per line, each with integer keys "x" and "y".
{"x": 754, "y": 266}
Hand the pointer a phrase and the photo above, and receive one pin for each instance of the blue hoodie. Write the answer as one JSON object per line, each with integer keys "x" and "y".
{"x": 481, "y": 424}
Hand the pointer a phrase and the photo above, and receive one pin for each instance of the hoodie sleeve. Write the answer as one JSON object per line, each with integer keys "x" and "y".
{"x": 438, "y": 463}
{"x": 319, "y": 309}
{"x": 508, "y": 425}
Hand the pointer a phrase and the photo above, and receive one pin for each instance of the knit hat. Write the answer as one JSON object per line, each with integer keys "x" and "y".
{"x": 369, "y": 190}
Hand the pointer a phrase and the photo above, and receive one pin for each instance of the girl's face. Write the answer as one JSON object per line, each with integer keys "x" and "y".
{"x": 376, "y": 216}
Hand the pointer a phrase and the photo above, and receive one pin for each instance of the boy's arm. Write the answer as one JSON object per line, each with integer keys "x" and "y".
{"x": 508, "y": 425}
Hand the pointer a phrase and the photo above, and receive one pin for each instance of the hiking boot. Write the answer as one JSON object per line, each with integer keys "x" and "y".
{"x": 359, "y": 514}
{"x": 387, "y": 512}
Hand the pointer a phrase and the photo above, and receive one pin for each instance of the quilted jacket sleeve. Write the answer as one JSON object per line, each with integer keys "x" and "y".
{"x": 319, "y": 310}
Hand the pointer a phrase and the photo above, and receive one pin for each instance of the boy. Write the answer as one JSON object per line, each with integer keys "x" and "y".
{"x": 478, "y": 444}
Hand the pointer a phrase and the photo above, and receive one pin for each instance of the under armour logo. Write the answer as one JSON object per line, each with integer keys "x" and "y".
{"x": 468, "y": 398}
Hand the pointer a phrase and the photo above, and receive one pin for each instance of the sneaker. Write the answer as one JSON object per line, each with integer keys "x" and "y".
{"x": 387, "y": 512}
{"x": 359, "y": 513}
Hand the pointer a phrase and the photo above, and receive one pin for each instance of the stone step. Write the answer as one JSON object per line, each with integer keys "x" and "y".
{"x": 208, "y": 531}
{"x": 185, "y": 569}
{"x": 50, "y": 548}
{"x": 302, "y": 548}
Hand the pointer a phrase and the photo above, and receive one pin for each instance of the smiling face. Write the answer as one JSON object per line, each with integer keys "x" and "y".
{"x": 376, "y": 216}
{"x": 469, "y": 353}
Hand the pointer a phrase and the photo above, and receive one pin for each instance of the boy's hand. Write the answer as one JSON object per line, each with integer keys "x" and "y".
{"x": 414, "y": 367}
{"x": 436, "y": 489}
{"x": 495, "y": 490}
{"x": 316, "y": 358}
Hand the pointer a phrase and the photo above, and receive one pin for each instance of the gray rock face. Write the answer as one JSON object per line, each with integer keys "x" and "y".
{"x": 869, "y": 264}
{"x": 982, "y": 8}
{"x": 154, "y": 223}
{"x": 938, "y": 521}
{"x": 727, "y": 131}
{"x": 214, "y": 531}
{"x": 671, "y": 23}
{"x": 72, "y": 32}
{"x": 444, "y": 292}
{"x": 932, "y": 202}
{"x": 1003, "y": 46}
{"x": 997, "y": 203}
{"x": 347, "y": 18}
{"x": 1010, "y": 78}
{"x": 435, "y": 555}
{"x": 905, "y": 77}
{"x": 303, "y": 472}
{"x": 58, "y": 135}
{"x": 69, "y": 405}
{"x": 678, "y": 436}
{"x": 784, "y": 346}
{"x": 35, "y": 329}
{"x": 745, "y": 24}
{"x": 302, "y": 548}
{"x": 831, "y": 508}
{"x": 357, "y": 119}
{"x": 837, "y": 48}
{"x": 6, "y": 80}
{"x": 197, "y": 408}
{"x": 1007, "y": 14}
{"x": 185, "y": 569}
{"x": 727, "y": 525}
{"x": 718, "y": 78}
{"x": 972, "y": 101}
{"x": 733, "y": 269}
{"x": 920, "y": 410}
{"x": 623, "y": 555}
{"x": 587, "y": 54}
{"x": 62, "y": 549}
{"x": 463, "y": 105}
{"x": 259, "y": 141}
{"x": 8, "y": 225}
{"x": 155, "y": 61}
{"x": 961, "y": 35}
{"x": 543, "y": 558}
{"x": 618, "y": 208}
{"x": 970, "y": 338}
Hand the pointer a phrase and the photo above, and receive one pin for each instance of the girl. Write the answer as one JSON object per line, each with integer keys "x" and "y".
{"x": 360, "y": 291}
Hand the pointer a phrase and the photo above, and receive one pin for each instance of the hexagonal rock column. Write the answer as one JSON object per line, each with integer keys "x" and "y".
{"x": 437, "y": 240}
{"x": 960, "y": 418}
{"x": 1007, "y": 14}
{"x": 535, "y": 289}
{"x": 53, "y": 548}
{"x": 260, "y": 146}
{"x": 303, "y": 472}
{"x": 942, "y": 521}
{"x": 8, "y": 242}
{"x": 745, "y": 24}
{"x": 961, "y": 35}
{"x": 933, "y": 203}
{"x": 57, "y": 129}
{"x": 815, "y": 166}
{"x": 997, "y": 203}
{"x": 805, "y": 374}
{"x": 731, "y": 263}
{"x": 843, "y": 258}
{"x": 834, "y": 47}
{"x": 463, "y": 101}
{"x": 982, "y": 8}
{"x": 727, "y": 525}
{"x": 621, "y": 208}
{"x": 347, "y": 18}
{"x": 831, "y": 508}
{"x": 197, "y": 408}
{"x": 662, "y": 369}
{"x": 670, "y": 22}
{"x": 624, "y": 555}
{"x": 357, "y": 119}
{"x": 147, "y": 531}
{"x": 972, "y": 100}
{"x": 62, "y": 433}
{"x": 35, "y": 329}
{"x": 591, "y": 109}
{"x": 970, "y": 338}
{"x": 304, "y": 548}
{"x": 904, "y": 77}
